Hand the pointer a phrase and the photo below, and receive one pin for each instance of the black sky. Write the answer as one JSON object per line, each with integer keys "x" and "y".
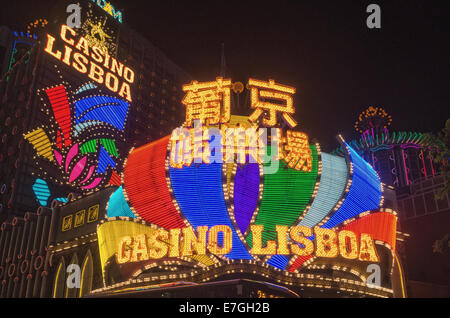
{"x": 323, "y": 48}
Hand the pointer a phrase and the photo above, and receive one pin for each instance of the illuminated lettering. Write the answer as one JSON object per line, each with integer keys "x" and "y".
{"x": 125, "y": 92}
{"x": 63, "y": 34}
{"x": 49, "y": 47}
{"x": 348, "y": 245}
{"x": 96, "y": 73}
{"x": 213, "y": 240}
{"x": 174, "y": 243}
{"x": 77, "y": 54}
{"x": 283, "y": 248}
{"x": 157, "y": 248}
{"x": 116, "y": 67}
{"x": 83, "y": 45}
{"x": 67, "y": 55}
{"x": 128, "y": 74}
{"x": 326, "y": 242}
{"x": 140, "y": 249}
{"x": 218, "y": 240}
{"x": 192, "y": 242}
{"x": 257, "y": 249}
{"x": 124, "y": 253}
{"x": 367, "y": 250}
{"x": 97, "y": 54}
{"x": 80, "y": 62}
{"x": 262, "y": 96}
{"x": 115, "y": 82}
{"x": 308, "y": 246}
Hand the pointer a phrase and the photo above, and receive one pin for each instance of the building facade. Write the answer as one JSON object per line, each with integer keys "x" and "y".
{"x": 33, "y": 81}
{"x": 404, "y": 162}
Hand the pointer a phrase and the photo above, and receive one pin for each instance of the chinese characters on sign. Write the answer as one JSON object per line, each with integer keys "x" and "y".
{"x": 207, "y": 136}
{"x": 208, "y": 102}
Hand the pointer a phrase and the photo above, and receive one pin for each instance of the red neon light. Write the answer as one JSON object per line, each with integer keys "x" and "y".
{"x": 382, "y": 226}
{"x": 59, "y": 139}
{"x": 61, "y": 109}
{"x": 146, "y": 185}
{"x": 406, "y": 169}
{"x": 299, "y": 262}
{"x": 424, "y": 167}
{"x": 115, "y": 179}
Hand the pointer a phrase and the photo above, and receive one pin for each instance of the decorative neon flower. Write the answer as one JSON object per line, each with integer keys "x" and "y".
{"x": 81, "y": 142}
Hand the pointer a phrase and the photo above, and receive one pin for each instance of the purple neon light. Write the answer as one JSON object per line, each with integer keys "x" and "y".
{"x": 58, "y": 157}
{"x": 76, "y": 171}
{"x": 72, "y": 153}
{"x": 93, "y": 184}
{"x": 423, "y": 162}
{"x": 406, "y": 169}
{"x": 90, "y": 172}
{"x": 246, "y": 193}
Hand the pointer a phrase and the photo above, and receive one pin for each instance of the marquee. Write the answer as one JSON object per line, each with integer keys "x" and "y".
{"x": 216, "y": 191}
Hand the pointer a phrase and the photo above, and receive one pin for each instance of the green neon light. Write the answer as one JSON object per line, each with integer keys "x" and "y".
{"x": 286, "y": 195}
{"x": 89, "y": 147}
{"x": 110, "y": 146}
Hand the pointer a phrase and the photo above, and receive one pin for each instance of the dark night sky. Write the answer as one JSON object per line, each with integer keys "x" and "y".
{"x": 324, "y": 49}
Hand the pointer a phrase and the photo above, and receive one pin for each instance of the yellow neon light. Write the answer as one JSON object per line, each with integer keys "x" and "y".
{"x": 271, "y": 91}
{"x": 208, "y": 102}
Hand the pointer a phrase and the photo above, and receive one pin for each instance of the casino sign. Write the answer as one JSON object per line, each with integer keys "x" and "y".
{"x": 232, "y": 196}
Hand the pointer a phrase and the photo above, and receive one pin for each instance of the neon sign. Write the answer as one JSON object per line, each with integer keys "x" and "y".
{"x": 205, "y": 194}
{"x": 209, "y": 103}
{"x": 93, "y": 61}
{"x": 185, "y": 242}
{"x": 108, "y": 7}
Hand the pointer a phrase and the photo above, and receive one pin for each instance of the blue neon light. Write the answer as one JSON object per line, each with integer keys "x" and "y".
{"x": 42, "y": 192}
{"x": 364, "y": 193}
{"x": 104, "y": 108}
{"x": 104, "y": 159}
{"x": 199, "y": 193}
{"x": 118, "y": 206}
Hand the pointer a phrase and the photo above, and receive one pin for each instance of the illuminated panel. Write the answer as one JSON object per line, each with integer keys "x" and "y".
{"x": 145, "y": 185}
{"x": 286, "y": 195}
{"x": 381, "y": 226}
{"x": 86, "y": 87}
{"x": 110, "y": 146}
{"x": 331, "y": 188}
{"x": 81, "y": 126}
{"x": 118, "y": 206}
{"x": 40, "y": 141}
{"x": 198, "y": 190}
{"x": 279, "y": 261}
{"x": 364, "y": 194}
{"x": 299, "y": 262}
{"x": 42, "y": 192}
{"x": 89, "y": 147}
{"x": 246, "y": 193}
{"x": 61, "y": 109}
{"x": 104, "y": 160}
{"x": 105, "y": 108}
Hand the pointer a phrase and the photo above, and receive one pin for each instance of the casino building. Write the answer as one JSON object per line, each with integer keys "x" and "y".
{"x": 226, "y": 205}
{"x": 403, "y": 162}
{"x": 31, "y": 87}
